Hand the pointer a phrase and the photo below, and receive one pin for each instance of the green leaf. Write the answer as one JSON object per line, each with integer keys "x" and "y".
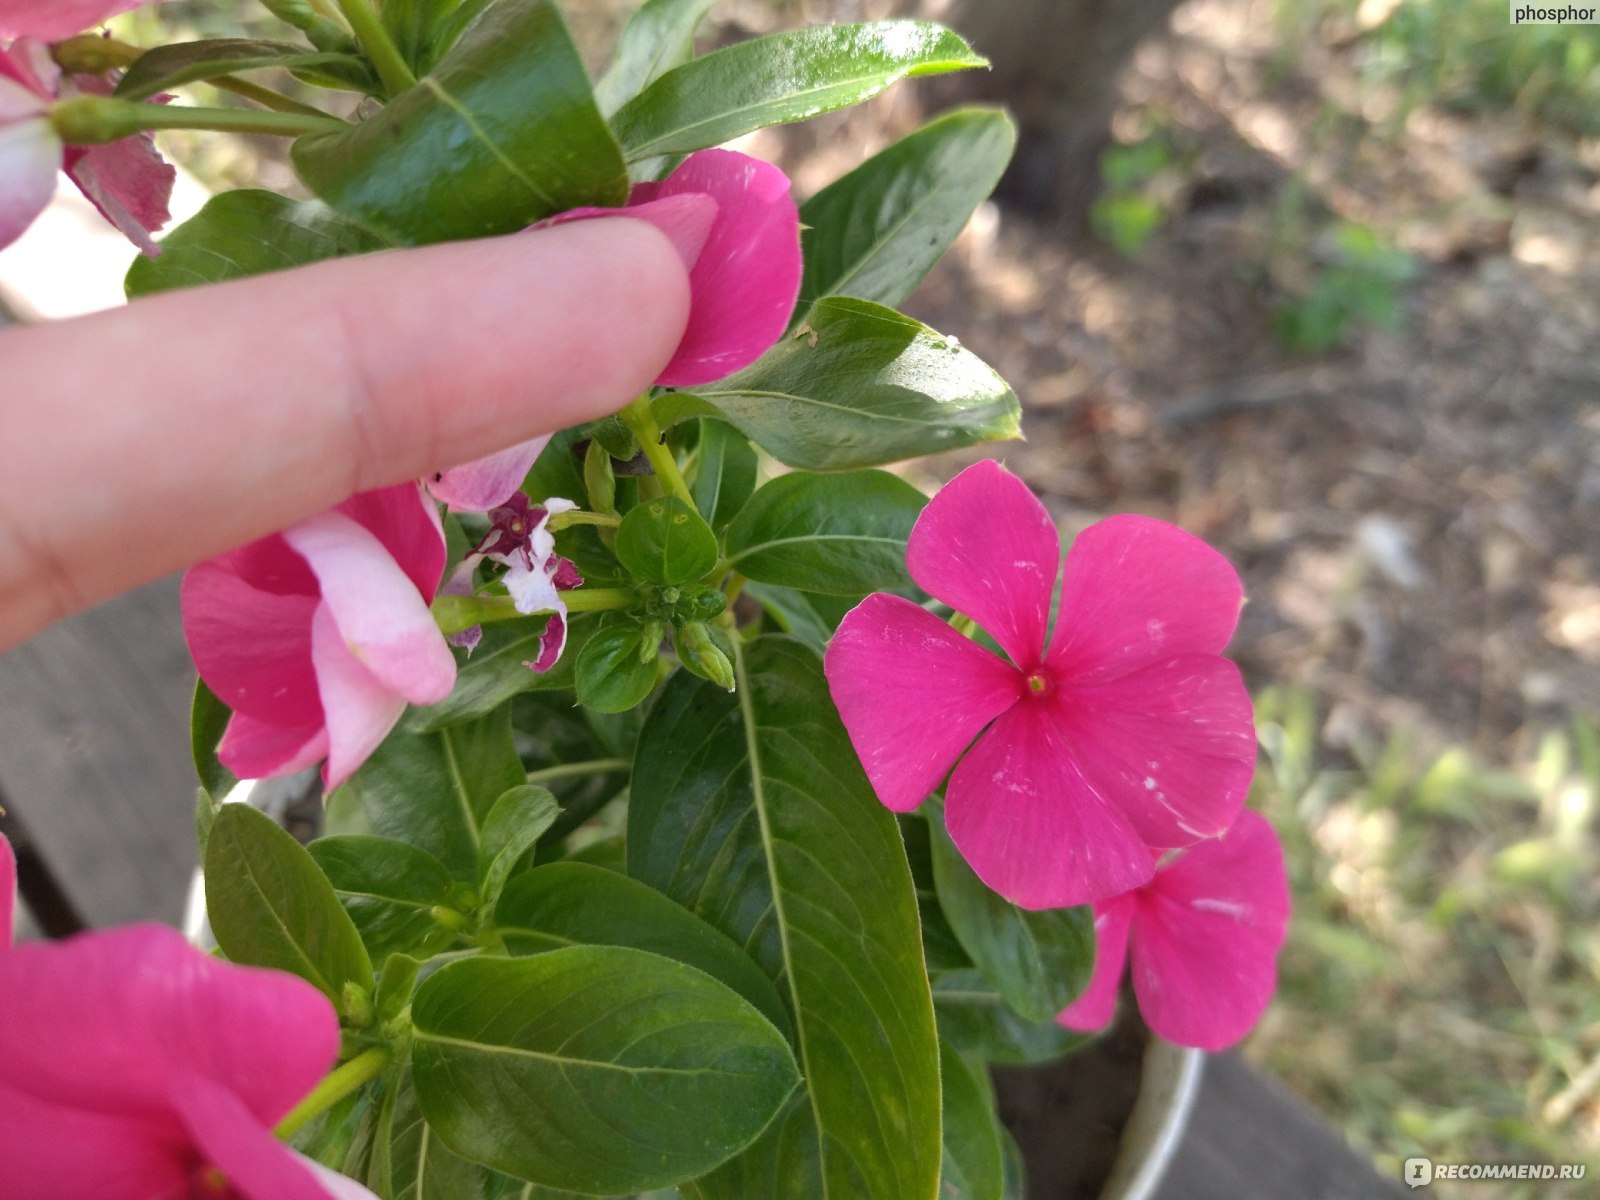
{"x": 785, "y": 77}
{"x": 271, "y": 906}
{"x": 409, "y": 1162}
{"x": 514, "y": 825}
{"x": 751, "y": 810}
{"x": 875, "y": 232}
{"x": 574, "y": 904}
{"x": 658, "y": 37}
{"x": 1038, "y": 961}
{"x": 857, "y": 385}
{"x": 940, "y": 948}
{"x": 595, "y": 1068}
{"x": 503, "y": 132}
{"x": 395, "y": 984}
{"x": 422, "y": 30}
{"x": 435, "y": 790}
{"x": 977, "y": 1022}
{"x": 498, "y": 670}
{"x": 208, "y": 721}
{"x": 725, "y": 473}
{"x": 974, "y": 1159}
{"x": 390, "y": 890}
{"x": 841, "y": 534}
{"x": 166, "y": 67}
{"x": 616, "y": 669}
{"x": 1016, "y": 1170}
{"x": 243, "y": 233}
{"x": 666, "y": 541}
{"x": 809, "y": 616}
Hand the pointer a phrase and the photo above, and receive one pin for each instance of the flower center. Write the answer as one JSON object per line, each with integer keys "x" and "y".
{"x": 1038, "y": 683}
{"x": 208, "y": 1183}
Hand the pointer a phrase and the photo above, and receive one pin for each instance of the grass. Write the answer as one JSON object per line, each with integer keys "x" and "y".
{"x": 1440, "y": 993}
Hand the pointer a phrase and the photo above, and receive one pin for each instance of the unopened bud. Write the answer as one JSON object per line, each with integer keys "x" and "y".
{"x": 599, "y": 479}
{"x": 702, "y": 656}
{"x": 650, "y": 638}
{"x": 355, "y": 1003}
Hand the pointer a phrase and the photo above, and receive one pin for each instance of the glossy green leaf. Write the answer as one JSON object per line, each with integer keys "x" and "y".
{"x": 658, "y": 37}
{"x": 978, "y": 1022}
{"x": 940, "y": 947}
{"x": 810, "y": 616}
{"x": 502, "y": 132}
{"x": 408, "y": 1161}
{"x": 396, "y": 981}
{"x": 422, "y": 30}
{"x": 208, "y": 721}
{"x": 271, "y": 906}
{"x": 514, "y": 825}
{"x": 243, "y": 233}
{"x": 786, "y": 77}
{"x": 751, "y": 810}
{"x": 1038, "y": 961}
{"x": 436, "y": 789}
{"x": 1016, "y": 1170}
{"x": 616, "y": 669}
{"x": 666, "y": 541}
{"x": 857, "y": 385}
{"x": 597, "y": 1069}
{"x": 875, "y": 232}
{"x": 498, "y": 670}
{"x": 974, "y": 1161}
{"x": 842, "y": 534}
{"x": 390, "y": 889}
{"x": 725, "y": 472}
{"x": 165, "y": 67}
{"x": 577, "y": 904}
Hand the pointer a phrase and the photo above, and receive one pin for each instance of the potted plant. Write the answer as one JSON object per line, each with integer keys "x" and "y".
{"x": 707, "y": 806}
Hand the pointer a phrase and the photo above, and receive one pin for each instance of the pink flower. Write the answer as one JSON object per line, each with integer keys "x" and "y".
{"x": 1204, "y": 935}
{"x": 318, "y": 636}
{"x": 57, "y": 19}
{"x": 126, "y": 179}
{"x": 1125, "y": 731}
{"x": 138, "y": 1068}
{"x": 736, "y": 228}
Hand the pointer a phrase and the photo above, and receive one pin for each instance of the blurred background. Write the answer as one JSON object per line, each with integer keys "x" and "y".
{"x": 1320, "y": 281}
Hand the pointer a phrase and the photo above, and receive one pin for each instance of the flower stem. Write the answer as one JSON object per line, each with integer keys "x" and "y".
{"x": 92, "y": 120}
{"x": 565, "y": 520}
{"x": 360, "y": 1070}
{"x": 264, "y": 96}
{"x": 377, "y": 45}
{"x": 598, "y": 599}
{"x": 455, "y": 613}
{"x": 576, "y": 770}
{"x": 642, "y": 423}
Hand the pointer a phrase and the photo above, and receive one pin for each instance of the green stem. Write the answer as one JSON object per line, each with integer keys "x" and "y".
{"x": 92, "y": 120}
{"x": 360, "y": 1070}
{"x": 264, "y": 96}
{"x": 455, "y": 613}
{"x": 642, "y": 423}
{"x": 565, "y": 520}
{"x": 378, "y": 46}
{"x": 598, "y": 599}
{"x": 594, "y": 766}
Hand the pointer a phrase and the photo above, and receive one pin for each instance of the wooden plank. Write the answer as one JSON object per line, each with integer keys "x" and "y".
{"x": 1250, "y": 1138}
{"x": 94, "y": 755}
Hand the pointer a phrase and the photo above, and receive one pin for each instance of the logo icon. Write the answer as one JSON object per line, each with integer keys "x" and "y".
{"x": 1418, "y": 1172}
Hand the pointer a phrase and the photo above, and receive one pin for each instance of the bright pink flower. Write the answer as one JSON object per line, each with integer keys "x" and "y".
{"x": 736, "y": 227}
{"x": 1126, "y": 731}
{"x": 1204, "y": 933}
{"x": 57, "y": 19}
{"x": 138, "y": 1068}
{"x": 126, "y": 179}
{"x": 318, "y": 636}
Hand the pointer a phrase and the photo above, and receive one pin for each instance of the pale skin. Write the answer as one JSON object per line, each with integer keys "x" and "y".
{"x": 138, "y": 441}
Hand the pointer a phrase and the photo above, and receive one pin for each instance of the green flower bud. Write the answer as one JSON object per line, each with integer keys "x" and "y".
{"x": 701, "y": 655}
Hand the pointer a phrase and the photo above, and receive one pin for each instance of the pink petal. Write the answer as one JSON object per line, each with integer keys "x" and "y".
{"x": 8, "y": 892}
{"x": 551, "y": 643}
{"x": 1138, "y": 591}
{"x": 269, "y": 565}
{"x": 50, "y": 1151}
{"x": 360, "y": 709}
{"x": 255, "y": 749}
{"x": 744, "y": 283}
{"x": 1032, "y": 826}
{"x": 1206, "y": 937}
{"x": 120, "y": 1022}
{"x": 487, "y": 482}
{"x": 131, "y": 185}
{"x": 255, "y": 1164}
{"x": 335, "y": 1185}
{"x": 253, "y": 648}
{"x": 376, "y": 611}
{"x": 407, "y": 522}
{"x": 30, "y": 156}
{"x": 1173, "y": 746}
{"x": 57, "y": 19}
{"x": 912, "y": 693}
{"x": 28, "y": 61}
{"x": 986, "y": 547}
{"x": 686, "y": 219}
{"x": 1094, "y": 1009}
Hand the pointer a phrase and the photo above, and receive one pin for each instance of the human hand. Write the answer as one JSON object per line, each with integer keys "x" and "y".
{"x": 140, "y": 440}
